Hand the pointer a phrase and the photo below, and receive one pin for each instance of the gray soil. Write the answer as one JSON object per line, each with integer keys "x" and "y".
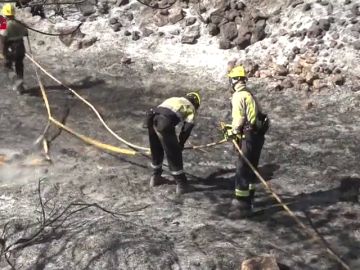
{"x": 311, "y": 159}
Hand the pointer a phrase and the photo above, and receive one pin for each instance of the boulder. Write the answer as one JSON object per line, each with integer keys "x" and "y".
{"x": 146, "y": 32}
{"x": 280, "y": 70}
{"x": 224, "y": 44}
{"x": 87, "y": 42}
{"x": 243, "y": 41}
{"x": 213, "y": 29}
{"x": 120, "y": 3}
{"x": 88, "y": 7}
{"x": 116, "y": 27}
{"x": 229, "y": 31}
{"x": 315, "y": 31}
{"x": 68, "y": 39}
{"x": 161, "y": 20}
{"x": 176, "y": 15}
{"x": 191, "y": 34}
{"x": 324, "y": 24}
{"x": 190, "y": 21}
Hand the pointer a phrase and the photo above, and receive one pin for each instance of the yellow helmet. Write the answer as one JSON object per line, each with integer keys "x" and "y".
{"x": 238, "y": 71}
{"x": 194, "y": 98}
{"x": 8, "y": 10}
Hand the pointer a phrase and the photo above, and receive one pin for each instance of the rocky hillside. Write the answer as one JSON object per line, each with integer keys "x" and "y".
{"x": 306, "y": 45}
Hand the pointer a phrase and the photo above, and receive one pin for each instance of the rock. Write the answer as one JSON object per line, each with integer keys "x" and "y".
{"x": 68, "y": 39}
{"x": 163, "y": 4}
{"x": 319, "y": 84}
{"x": 338, "y": 79}
{"x": 306, "y": 7}
{"x": 243, "y": 41}
{"x": 161, "y": 20}
{"x": 127, "y": 33}
{"x": 335, "y": 36}
{"x": 87, "y": 42}
{"x": 330, "y": 9}
{"x": 333, "y": 44}
{"x": 130, "y": 16}
{"x": 296, "y": 50}
{"x": 41, "y": 43}
{"x": 280, "y": 70}
{"x": 355, "y": 28}
{"x": 304, "y": 87}
{"x": 308, "y": 105}
{"x": 176, "y": 15}
{"x": 324, "y": 3}
{"x": 103, "y": 8}
{"x": 191, "y": 34}
{"x": 135, "y": 35}
{"x": 324, "y": 24}
{"x": 164, "y": 12}
{"x": 228, "y": 31}
{"x": 146, "y": 32}
{"x": 232, "y": 14}
{"x": 213, "y": 29}
{"x": 259, "y": 32}
{"x": 314, "y": 31}
{"x": 297, "y": 3}
{"x": 355, "y": 10}
{"x": 175, "y": 32}
{"x": 224, "y": 44}
{"x": 190, "y": 21}
{"x": 126, "y": 60}
{"x": 116, "y": 27}
{"x": 113, "y": 21}
{"x": 310, "y": 77}
{"x": 287, "y": 83}
{"x": 120, "y": 3}
{"x": 356, "y": 45}
{"x": 347, "y": 2}
{"x": 88, "y": 7}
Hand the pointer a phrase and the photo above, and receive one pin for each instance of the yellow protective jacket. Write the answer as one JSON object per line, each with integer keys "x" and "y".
{"x": 244, "y": 109}
{"x": 182, "y": 107}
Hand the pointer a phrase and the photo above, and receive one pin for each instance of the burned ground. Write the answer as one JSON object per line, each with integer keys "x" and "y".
{"x": 310, "y": 158}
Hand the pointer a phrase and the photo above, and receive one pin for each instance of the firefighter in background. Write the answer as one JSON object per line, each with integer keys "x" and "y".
{"x": 248, "y": 128}
{"x": 13, "y": 45}
{"x": 161, "y": 124}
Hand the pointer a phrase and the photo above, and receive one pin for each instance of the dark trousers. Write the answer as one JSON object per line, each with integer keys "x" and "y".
{"x": 162, "y": 138}
{"x": 14, "y": 53}
{"x": 251, "y": 147}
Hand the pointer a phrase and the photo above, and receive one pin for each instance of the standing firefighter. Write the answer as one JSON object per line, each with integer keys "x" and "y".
{"x": 14, "y": 49}
{"x": 248, "y": 129}
{"x": 162, "y": 136}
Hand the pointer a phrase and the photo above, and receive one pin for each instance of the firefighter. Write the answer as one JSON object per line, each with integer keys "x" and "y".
{"x": 248, "y": 129}
{"x": 14, "y": 49}
{"x": 161, "y": 124}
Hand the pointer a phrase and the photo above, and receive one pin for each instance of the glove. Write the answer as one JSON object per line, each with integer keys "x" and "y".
{"x": 229, "y": 134}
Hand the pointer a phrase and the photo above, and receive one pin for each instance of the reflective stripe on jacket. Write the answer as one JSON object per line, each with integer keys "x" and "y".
{"x": 14, "y": 31}
{"x": 244, "y": 108}
{"x": 182, "y": 107}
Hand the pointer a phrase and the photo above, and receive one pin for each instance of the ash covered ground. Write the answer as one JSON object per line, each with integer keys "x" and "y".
{"x": 311, "y": 158}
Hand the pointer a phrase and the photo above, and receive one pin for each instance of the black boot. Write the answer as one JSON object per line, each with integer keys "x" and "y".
{"x": 182, "y": 185}
{"x": 157, "y": 180}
